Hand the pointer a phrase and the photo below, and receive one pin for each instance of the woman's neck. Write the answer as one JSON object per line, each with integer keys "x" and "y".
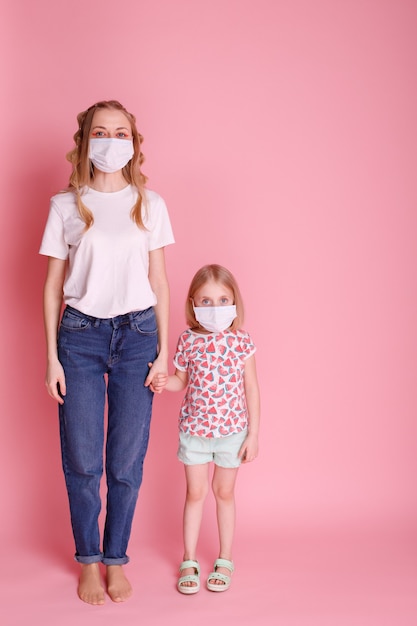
{"x": 108, "y": 182}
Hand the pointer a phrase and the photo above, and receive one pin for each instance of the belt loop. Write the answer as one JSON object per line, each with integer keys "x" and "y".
{"x": 96, "y": 322}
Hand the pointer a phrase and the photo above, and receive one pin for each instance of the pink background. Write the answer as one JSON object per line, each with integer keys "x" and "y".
{"x": 282, "y": 135}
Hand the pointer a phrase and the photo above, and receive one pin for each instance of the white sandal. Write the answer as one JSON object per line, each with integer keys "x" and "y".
{"x": 223, "y": 578}
{"x": 190, "y": 578}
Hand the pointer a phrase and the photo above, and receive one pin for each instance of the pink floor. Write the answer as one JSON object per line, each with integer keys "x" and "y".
{"x": 349, "y": 578}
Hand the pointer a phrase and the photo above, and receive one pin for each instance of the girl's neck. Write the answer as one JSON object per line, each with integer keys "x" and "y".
{"x": 108, "y": 182}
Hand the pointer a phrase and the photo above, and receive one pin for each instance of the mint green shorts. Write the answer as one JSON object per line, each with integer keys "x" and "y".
{"x": 223, "y": 451}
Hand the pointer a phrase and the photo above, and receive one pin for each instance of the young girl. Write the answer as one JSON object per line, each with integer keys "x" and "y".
{"x": 105, "y": 239}
{"x": 219, "y": 419}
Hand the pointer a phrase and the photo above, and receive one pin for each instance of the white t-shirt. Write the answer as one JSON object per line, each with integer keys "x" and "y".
{"x": 108, "y": 264}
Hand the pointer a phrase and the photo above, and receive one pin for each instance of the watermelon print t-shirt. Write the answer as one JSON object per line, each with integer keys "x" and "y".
{"x": 214, "y": 404}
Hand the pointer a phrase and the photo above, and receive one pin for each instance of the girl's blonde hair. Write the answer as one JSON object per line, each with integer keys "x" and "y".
{"x": 83, "y": 169}
{"x": 221, "y": 275}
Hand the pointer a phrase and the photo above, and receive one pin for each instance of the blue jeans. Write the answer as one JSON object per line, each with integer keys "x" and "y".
{"x": 99, "y": 356}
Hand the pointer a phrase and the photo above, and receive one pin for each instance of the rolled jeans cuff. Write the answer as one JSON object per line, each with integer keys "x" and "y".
{"x": 121, "y": 561}
{"x": 87, "y": 560}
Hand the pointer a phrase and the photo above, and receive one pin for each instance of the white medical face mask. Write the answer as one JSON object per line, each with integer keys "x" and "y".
{"x": 109, "y": 154}
{"x": 215, "y": 319}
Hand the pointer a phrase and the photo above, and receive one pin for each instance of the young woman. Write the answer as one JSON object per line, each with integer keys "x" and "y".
{"x": 219, "y": 419}
{"x": 105, "y": 239}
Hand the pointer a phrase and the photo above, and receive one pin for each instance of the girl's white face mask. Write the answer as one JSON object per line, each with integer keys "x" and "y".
{"x": 109, "y": 154}
{"x": 215, "y": 319}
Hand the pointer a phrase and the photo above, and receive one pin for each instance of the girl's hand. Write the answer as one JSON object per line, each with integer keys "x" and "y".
{"x": 249, "y": 450}
{"x": 55, "y": 381}
{"x": 156, "y": 380}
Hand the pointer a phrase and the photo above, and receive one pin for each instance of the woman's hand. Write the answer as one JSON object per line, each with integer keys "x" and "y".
{"x": 55, "y": 381}
{"x": 157, "y": 377}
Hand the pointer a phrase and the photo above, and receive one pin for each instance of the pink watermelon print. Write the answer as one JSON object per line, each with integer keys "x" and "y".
{"x": 230, "y": 341}
{"x": 214, "y": 404}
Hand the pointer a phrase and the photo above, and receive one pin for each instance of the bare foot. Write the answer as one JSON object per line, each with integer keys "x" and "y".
{"x": 118, "y": 586}
{"x": 90, "y": 588}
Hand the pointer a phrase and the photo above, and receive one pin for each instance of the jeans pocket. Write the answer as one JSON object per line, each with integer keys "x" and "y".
{"x": 144, "y": 322}
{"x": 73, "y": 320}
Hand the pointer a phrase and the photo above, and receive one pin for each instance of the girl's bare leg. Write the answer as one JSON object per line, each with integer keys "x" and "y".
{"x": 224, "y": 480}
{"x": 197, "y": 489}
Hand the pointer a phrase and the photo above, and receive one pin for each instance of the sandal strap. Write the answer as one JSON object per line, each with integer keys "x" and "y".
{"x": 191, "y": 578}
{"x": 190, "y": 563}
{"x": 217, "y": 576}
{"x": 224, "y": 563}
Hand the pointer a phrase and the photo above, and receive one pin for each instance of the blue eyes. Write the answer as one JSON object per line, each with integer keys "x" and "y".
{"x": 100, "y": 134}
{"x": 207, "y": 302}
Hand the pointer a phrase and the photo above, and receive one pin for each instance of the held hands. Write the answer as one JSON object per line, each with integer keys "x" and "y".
{"x": 55, "y": 381}
{"x": 249, "y": 450}
{"x": 56, "y": 387}
{"x": 156, "y": 379}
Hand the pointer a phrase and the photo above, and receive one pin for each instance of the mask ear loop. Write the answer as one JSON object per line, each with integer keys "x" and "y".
{"x": 196, "y": 322}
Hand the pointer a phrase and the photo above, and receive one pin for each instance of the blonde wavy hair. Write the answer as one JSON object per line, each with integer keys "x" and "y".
{"x": 220, "y": 275}
{"x": 83, "y": 169}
